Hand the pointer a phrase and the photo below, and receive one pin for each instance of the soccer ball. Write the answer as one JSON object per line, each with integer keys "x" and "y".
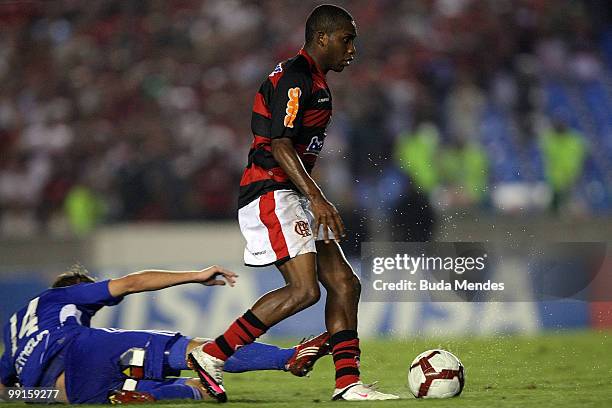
{"x": 436, "y": 374}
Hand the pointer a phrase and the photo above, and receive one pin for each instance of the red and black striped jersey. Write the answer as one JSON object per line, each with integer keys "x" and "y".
{"x": 293, "y": 102}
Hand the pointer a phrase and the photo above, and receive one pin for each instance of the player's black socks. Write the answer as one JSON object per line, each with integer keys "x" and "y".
{"x": 245, "y": 330}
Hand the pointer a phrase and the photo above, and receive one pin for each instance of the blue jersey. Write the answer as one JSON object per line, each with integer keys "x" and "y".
{"x": 38, "y": 332}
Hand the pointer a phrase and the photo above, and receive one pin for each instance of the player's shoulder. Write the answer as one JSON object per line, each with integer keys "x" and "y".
{"x": 79, "y": 290}
{"x": 298, "y": 65}
{"x": 296, "y": 68}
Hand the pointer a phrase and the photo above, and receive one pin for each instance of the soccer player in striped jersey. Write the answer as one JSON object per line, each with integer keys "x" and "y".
{"x": 284, "y": 216}
{"x": 49, "y": 343}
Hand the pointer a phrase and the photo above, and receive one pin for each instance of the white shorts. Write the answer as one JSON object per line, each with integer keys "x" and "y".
{"x": 277, "y": 226}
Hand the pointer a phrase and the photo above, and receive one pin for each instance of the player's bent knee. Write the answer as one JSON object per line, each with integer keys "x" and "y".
{"x": 314, "y": 294}
{"x": 356, "y": 285}
{"x": 311, "y": 296}
{"x": 344, "y": 287}
{"x": 305, "y": 297}
{"x": 352, "y": 286}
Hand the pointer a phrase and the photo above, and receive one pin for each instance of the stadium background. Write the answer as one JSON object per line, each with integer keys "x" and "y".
{"x": 124, "y": 128}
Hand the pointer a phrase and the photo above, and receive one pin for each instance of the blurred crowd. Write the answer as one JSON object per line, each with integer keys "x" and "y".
{"x": 132, "y": 110}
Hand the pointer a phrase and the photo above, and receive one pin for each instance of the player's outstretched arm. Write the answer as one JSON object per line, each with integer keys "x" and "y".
{"x": 326, "y": 214}
{"x": 150, "y": 280}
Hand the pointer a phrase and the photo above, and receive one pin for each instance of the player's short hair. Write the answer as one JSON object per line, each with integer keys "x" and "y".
{"x": 73, "y": 276}
{"x": 326, "y": 18}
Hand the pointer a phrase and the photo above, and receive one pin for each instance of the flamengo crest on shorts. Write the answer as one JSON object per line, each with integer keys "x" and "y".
{"x": 302, "y": 228}
{"x": 277, "y": 226}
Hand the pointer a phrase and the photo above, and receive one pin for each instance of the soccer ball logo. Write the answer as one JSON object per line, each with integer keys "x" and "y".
{"x": 436, "y": 374}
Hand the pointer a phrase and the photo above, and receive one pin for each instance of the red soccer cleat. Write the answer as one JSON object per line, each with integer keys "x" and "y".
{"x": 130, "y": 397}
{"x": 307, "y": 353}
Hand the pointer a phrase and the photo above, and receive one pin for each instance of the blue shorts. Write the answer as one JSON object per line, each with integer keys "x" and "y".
{"x": 92, "y": 367}
{"x": 150, "y": 385}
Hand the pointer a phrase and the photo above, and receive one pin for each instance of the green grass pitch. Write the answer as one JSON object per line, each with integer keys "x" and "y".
{"x": 571, "y": 369}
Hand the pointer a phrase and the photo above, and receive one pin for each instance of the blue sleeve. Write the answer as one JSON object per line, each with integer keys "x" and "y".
{"x": 8, "y": 376}
{"x": 87, "y": 294}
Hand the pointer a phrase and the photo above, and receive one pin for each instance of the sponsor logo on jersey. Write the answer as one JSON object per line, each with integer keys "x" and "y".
{"x": 302, "y": 228}
{"x": 293, "y": 105}
{"x": 323, "y": 100}
{"x": 28, "y": 349}
{"x": 315, "y": 145}
{"x": 277, "y": 70}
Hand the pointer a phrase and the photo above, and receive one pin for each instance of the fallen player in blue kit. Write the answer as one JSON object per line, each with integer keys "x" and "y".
{"x": 49, "y": 343}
